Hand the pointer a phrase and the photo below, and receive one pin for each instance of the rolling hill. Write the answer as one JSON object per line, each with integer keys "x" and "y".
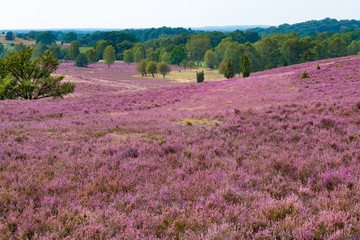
{"x": 266, "y": 157}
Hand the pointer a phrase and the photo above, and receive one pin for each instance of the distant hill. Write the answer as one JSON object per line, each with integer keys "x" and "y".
{"x": 308, "y": 28}
{"x": 229, "y": 28}
{"x": 15, "y": 41}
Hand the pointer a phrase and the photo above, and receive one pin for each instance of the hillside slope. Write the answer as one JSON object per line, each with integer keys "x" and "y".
{"x": 270, "y": 156}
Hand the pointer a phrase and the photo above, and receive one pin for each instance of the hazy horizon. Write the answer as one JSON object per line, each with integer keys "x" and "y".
{"x": 111, "y": 14}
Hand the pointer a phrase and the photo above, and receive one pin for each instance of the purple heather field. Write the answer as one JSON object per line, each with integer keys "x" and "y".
{"x": 272, "y": 156}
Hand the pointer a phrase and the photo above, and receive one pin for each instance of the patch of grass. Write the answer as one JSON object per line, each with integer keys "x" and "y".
{"x": 188, "y": 75}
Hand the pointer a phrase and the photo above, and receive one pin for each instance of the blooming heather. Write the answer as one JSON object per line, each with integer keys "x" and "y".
{"x": 272, "y": 156}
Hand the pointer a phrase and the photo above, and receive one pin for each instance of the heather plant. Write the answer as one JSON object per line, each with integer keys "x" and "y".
{"x": 131, "y": 158}
{"x": 31, "y": 79}
{"x": 305, "y": 74}
{"x": 200, "y": 76}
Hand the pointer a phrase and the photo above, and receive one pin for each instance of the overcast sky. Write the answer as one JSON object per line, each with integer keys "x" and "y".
{"x": 45, "y": 14}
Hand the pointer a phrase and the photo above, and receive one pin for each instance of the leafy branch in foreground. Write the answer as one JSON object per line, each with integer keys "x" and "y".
{"x": 22, "y": 77}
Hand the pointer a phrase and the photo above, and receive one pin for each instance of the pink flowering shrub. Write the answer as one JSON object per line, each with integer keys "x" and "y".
{"x": 117, "y": 159}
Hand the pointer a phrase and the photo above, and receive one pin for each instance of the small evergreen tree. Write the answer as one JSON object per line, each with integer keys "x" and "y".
{"x": 318, "y": 67}
{"x": 81, "y": 60}
{"x": 245, "y": 66}
{"x": 109, "y": 55}
{"x": 29, "y": 78}
{"x": 200, "y": 76}
{"x": 230, "y": 69}
{"x": 163, "y": 68}
{"x": 151, "y": 68}
{"x": 305, "y": 75}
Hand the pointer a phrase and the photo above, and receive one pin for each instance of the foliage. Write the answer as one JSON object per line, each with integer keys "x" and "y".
{"x": 141, "y": 67}
{"x": 210, "y": 59}
{"x": 128, "y": 56}
{"x": 309, "y": 28}
{"x": 9, "y": 36}
{"x": 197, "y": 46}
{"x": 229, "y": 71}
{"x": 305, "y": 75}
{"x": 151, "y": 68}
{"x": 81, "y": 60}
{"x": 100, "y": 47}
{"x": 91, "y": 55}
{"x": 191, "y": 64}
{"x": 245, "y": 66}
{"x": 109, "y": 55}
{"x": 70, "y": 37}
{"x": 184, "y": 64}
{"x": 318, "y": 67}
{"x": 200, "y": 76}
{"x": 177, "y": 55}
{"x": 139, "y": 54}
{"x": 46, "y": 38}
{"x": 163, "y": 68}
{"x": 73, "y": 50}
{"x": 31, "y": 79}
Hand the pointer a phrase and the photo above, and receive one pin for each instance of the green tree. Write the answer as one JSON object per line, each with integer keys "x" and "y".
{"x": 139, "y": 54}
{"x": 91, "y": 55}
{"x": 141, "y": 67}
{"x": 9, "y": 36}
{"x": 165, "y": 56}
{"x": 163, "y": 68}
{"x": 151, "y": 68}
{"x": 128, "y": 56}
{"x": 177, "y": 55}
{"x": 81, "y": 60}
{"x": 70, "y": 37}
{"x": 337, "y": 47}
{"x": 210, "y": 59}
{"x": 245, "y": 66}
{"x": 100, "y": 47}
{"x": 220, "y": 49}
{"x": 46, "y": 38}
{"x": 31, "y": 79}
{"x": 74, "y": 50}
{"x": 109, "y": 55}
{"x": 230, "y": 69}
{"x": 191, "y": 64}
{"x": 197, "y": 46}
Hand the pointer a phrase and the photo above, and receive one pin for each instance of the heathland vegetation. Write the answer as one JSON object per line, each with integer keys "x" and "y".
{"x": 262, "y": 155}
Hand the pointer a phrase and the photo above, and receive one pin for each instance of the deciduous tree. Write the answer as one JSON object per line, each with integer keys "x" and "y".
{"x": 163, "y": 68}
{"x": 109, "y": 55}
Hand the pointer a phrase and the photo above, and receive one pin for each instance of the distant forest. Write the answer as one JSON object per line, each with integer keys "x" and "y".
{"x": 266, "y": 48}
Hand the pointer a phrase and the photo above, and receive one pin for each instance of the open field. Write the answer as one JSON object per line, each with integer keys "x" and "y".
{"x": 188, "y": 76}
{"x": 16, "y": 41}
{"x": 272, "y": 156}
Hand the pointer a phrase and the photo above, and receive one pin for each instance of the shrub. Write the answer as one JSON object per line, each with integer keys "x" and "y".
{"x": 340, "y": 66}
{"x": 31, "y": 79}
{"x": 81, "y": 60}
{"x": 318, "y": 67}
{"x": 305, "y": 75}
{"x": 245, "y": 66}
{"x": 230, "y": 69}
{"x": 200, "y": 76}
